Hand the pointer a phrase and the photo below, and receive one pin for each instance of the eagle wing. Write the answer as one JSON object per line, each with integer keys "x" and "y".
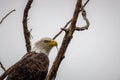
{"x": 33, "y": 66}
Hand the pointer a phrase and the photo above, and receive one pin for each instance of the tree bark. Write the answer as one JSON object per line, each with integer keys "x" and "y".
{"x": 25, "y": 27}
{"x": 66, "y": 40}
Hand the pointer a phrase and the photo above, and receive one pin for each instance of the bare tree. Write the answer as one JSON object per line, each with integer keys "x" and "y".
{"x": 69, "y": 31}
{"x": 68, "y": 36}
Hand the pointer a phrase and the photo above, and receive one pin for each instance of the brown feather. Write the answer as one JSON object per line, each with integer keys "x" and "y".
{"x": 33, "y": 66}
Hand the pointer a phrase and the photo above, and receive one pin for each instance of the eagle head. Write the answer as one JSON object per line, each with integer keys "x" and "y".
{"x": 44, "y": 45}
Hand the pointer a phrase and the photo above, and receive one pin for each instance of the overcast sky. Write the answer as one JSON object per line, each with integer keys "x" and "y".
{"x": 93, "y": 54}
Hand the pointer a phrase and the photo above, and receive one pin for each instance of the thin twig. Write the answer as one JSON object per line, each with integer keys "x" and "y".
{"x": 6, "y": 16}
{"x": 87, "y": 22}
{"x": 62, "y": 30}
{"x": 2, "y": 66}
{"x": 25, "y": 27}
{"x": 84, "y": 5}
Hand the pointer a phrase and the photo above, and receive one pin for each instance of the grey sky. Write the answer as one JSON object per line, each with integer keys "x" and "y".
{"x": 92, "y": 55}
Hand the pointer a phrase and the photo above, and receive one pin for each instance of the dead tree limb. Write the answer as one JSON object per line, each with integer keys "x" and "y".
{"x": 87, "y": 22}
{"x": 2, "y": 66}
{"x": 66, "y": 40}
{"x": 77, "y": 28}
{"x": 62, "y": 29}
{"x": 6, "y": 16}
{"x": 84, "y": 5}
{"x": 0, "y": 23}
{"x": 25, "y": 27}
{"x": 84, "y": 15}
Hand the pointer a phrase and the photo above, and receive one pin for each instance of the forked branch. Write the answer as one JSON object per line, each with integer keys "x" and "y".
{"x": 66, "y": 40}
{"x": 84, "y": 15}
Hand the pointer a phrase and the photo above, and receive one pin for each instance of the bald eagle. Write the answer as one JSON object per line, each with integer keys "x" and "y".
{"x": 34, "y": 64}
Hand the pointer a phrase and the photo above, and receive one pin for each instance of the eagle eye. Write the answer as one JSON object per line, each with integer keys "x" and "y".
{"x": 46, "y": 41}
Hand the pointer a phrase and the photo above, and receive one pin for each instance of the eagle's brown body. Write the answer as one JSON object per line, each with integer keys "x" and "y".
{"x": 33, "y": 66}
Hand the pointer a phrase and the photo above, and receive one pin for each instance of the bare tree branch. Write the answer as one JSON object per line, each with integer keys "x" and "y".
{"x": 84, "y": 5}
{"x": 25, "y": 27}
{"x": 77, "y": 28}
{"x": 87, "y": 22}
{"x": 6, "y": 16}
{"x": 66, "y": 40}
{"x": 2, "y": 66}
{"x": 62, "y": 30}
{"x": 84, "y": 15}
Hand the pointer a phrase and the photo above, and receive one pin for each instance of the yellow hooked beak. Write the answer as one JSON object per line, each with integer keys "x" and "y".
{"x": 53, "y": 43}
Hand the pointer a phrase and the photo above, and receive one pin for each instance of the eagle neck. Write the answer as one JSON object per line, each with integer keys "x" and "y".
{"x": 38, "y": 50}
